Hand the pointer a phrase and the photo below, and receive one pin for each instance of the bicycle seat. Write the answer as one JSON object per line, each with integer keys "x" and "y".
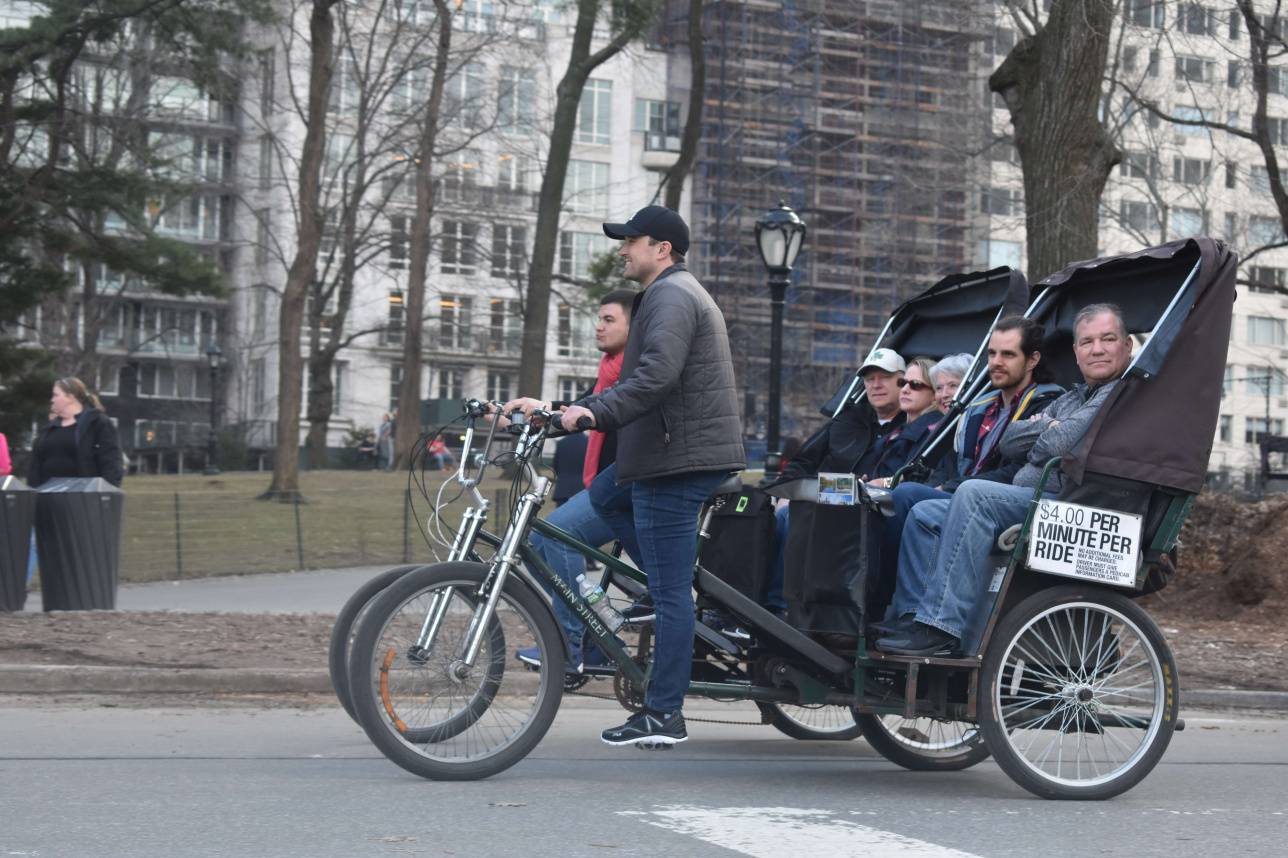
{"x": 730, "y": 485}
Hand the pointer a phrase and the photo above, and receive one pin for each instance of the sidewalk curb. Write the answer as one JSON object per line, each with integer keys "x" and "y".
{"x": 81, "y": 679}
{"x": 78, "y": 679}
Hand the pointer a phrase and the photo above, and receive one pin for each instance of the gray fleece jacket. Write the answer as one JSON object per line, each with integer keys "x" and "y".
{"x": 1038, "y": 441}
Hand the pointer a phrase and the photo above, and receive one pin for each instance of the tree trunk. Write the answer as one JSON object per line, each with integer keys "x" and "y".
{"x": 673, "y": 181}
{"x": 286, "y": 458}
{"x": 1052, "y": 84}
{"x": 634, "y": 19}
{"x": 408, "y": 428}
{"x": 321, "y": 403}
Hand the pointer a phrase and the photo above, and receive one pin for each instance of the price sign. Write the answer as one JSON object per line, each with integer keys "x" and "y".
{"x": 1085, "y": 542}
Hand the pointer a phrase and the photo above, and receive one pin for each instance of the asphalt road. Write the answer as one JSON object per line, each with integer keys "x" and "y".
{"x": 79, "y": 779}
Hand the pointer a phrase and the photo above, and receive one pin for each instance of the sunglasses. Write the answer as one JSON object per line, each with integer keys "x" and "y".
{"x": 915, "y": 385}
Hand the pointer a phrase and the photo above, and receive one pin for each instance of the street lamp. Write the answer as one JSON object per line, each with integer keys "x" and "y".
{"x": 214, "y": 356}
{"x": 779, "y": 234}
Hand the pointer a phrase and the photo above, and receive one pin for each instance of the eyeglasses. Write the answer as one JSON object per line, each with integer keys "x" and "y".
{"x": 915, "y": 385}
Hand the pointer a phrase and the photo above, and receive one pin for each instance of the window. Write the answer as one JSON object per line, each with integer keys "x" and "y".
{"x": 1265, "y": 381}
{"x": 107, "y": 379}
{"x": 1152, "y": 68}
{"x": 511, "y": 173}
{"x": 463, "y": 98}
{"x": 575, "y": 333}
{"x": 1236, "y": 20}
{"x": 509, "y": 242}
{"x": 516, "y": 98}
{"x": 397, "y": 317}
{"x": 199, "y": 217}
{"x": 258, "y": 383}
{"x": 594, "y": 113}
{"x": 1141, "y": 217}
{"x": 1265, "y": 331}
{"x": 1259, "y": 178}
{"x": 1231, "y": 175}
{"x": 1193, "y": 18}
{"x": 1001, "y": 201}
{"x": 1190, "y": 171}
{"x": 265, "y": 162}
{"x": 398, "y": 243}
{"x": 111, "y": 332}
{"x": 154, "y": 433}
{"x": 499, "y": 385}
{"x": 1193, "y": 69}
{"x": 395, "y": 384}
{"x": 995, "y": 253}
{"x": 259, "y": 310}
{"x": 1138, "y": 165}
{"x": 505, "y": 328}
{"x": 1189, "y": 113}
{"x": 345, "y": 90}
{"x": 1263, "y": 279}
{"x": 1130, "y": 54}
{"x": 266, "y": 81}
{"x": 458, "y": 254}
{"x": 660, "y": 122}
{"x": 1276, "y": 81}
{"x": 1224, "y": 428}
{"x": 1277, "y": 130}
{"x": 1183, "y": 222}
{"x": 451, "y": 384}
{"x": 461, "y": 175}
{"x": 1255, "y": 427}
{"x": 1265, "y": 230}
{"x": 577, "y": 250}
{"x": 1233, "y": 74}
{"x": 1227, "y": 382}
{"x": 340, "y": 154}
{"x": 587, "y": 188}
{"x": 1003, "y": 41}
{"x": 454, "y": 321}
{"x": 263, "y": 235}
{"x": 338, "y": 373}
{"x": 571, "y": 388}
{"x": 1145, "y": 13}
{"x": 174, "y": 381}
{"x": 1231, "y": 226}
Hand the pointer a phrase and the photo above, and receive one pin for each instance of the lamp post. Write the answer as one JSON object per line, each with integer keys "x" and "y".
{"x": 779, "y": 234}
{"x": 214, "y": 356}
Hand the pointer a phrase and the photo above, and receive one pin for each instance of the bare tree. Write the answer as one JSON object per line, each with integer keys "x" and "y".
{"x": 1052, "y": 82}
{"x": 286, "y": 459}
{"x": 631, "y": 19}
{"x": 673, "y": 180}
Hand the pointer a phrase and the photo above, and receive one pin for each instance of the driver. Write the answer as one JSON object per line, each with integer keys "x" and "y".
{"x": 944, "y": 552}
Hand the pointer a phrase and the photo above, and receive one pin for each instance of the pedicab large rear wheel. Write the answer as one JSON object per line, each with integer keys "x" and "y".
{"x": 1078, "y": 693}
{"x": 924, "y": 744}
{"x": 422, "y": 706}
{"x": 817, "y": 722}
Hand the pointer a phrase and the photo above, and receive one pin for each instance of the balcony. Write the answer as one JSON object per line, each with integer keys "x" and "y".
{"x": 493, "y": 199}
{"x": 661, "y": 150}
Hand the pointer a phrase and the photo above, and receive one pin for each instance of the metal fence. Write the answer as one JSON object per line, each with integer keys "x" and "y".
{"x": 188, "y": 534}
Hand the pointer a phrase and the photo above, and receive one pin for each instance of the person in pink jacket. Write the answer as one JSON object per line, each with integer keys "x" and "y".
{"x": 6, "y": 466}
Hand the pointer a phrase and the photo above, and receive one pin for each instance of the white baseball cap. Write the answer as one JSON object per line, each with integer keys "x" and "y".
{"x": 886, "y": 359}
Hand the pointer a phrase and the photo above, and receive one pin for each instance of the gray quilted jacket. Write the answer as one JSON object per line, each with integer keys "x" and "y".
{"x": 675, "y": 406}
{"x": 1037, "y": 441}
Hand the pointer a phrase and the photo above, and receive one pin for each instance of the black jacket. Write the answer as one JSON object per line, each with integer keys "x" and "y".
{"x": 842, "y": 446}
{"x": 570, "y": 459}
{"x": 675, "y": 406}
{"x": 98, "y": 452}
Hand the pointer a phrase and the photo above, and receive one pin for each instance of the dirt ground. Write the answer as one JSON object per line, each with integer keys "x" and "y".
{"x": 1223, "y": 615}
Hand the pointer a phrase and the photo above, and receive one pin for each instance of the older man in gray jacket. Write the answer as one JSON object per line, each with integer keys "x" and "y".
{"x": 943, "y": 556}
{"x": 675, "y": 410}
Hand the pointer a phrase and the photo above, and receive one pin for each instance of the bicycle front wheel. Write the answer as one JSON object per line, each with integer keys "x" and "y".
{"x": 422, "y": 706}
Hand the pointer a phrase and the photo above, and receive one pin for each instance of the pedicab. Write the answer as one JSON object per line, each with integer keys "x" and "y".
{"x": 1064, "y": 678}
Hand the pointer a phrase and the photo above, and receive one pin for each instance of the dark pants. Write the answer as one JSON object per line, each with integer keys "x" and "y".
{"x": 657, "y": 522}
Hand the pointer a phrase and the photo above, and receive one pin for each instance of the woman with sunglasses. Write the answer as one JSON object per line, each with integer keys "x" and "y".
{"x": 918, "y": 403}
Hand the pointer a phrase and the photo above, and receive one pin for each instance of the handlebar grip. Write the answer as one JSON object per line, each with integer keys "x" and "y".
{"x": 584, "y": 423}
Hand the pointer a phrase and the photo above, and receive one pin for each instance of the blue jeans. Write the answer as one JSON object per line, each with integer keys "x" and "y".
{"x": 943, "y": 556}
{"x": 579, "y": 519}
{"x": 774, "y": 599}
{"x": 660, "y": 516}
{"x": 906, "y": 496}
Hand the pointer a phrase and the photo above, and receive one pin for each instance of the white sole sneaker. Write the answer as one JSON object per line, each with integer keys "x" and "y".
{"x": 649, "y": 743}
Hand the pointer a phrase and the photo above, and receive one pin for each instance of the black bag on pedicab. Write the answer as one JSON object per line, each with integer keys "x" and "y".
{"x": 832, "y": 559}
{"x": 740, "y": 549}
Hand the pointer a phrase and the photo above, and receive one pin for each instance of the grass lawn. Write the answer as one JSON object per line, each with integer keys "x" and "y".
{"x": 192, "y": 525}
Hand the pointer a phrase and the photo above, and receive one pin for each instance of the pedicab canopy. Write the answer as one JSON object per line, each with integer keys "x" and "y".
{"x": 952, "y": 316}
{"x": 1159, "y": 423}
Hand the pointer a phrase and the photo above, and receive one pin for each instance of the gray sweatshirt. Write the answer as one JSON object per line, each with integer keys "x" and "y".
{"x": 1052, "y": 433}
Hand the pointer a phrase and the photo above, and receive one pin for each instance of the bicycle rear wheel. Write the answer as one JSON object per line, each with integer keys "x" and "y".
{"x": 422, "y": 706}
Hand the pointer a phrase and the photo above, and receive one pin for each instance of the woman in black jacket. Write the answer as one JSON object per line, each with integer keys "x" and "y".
{"x": 79, "y": 441}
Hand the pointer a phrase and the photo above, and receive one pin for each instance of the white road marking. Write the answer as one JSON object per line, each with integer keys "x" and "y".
{"x": 771, "y": 832}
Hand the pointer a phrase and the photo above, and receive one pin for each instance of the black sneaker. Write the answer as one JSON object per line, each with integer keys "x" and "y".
{"x": 640, "y": 612}
{"x": 648, "y": 729}
{"x": 921, "y": 640}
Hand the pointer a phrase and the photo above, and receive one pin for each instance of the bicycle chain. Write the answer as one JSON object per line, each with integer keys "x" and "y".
{"x": 697, "y": 720}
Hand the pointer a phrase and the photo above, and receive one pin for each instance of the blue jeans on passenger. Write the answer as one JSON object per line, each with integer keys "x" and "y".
{"x": 906, "y": 496}
{"x": 660, "y": 517}
{"x": 578, "y": 518}
{"x": 943, "y": 556}
{"x": 774, "y": 599}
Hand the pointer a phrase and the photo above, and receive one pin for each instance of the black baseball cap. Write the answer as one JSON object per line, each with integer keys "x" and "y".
{"x": 656, "y": 222}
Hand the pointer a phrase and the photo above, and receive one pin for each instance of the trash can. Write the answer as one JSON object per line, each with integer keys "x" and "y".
{"x": 17, "y": 513}
{"x": 78, "y": 537}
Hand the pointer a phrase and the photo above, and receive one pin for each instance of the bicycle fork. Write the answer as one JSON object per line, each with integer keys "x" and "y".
{"x": 466, "y": 534}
